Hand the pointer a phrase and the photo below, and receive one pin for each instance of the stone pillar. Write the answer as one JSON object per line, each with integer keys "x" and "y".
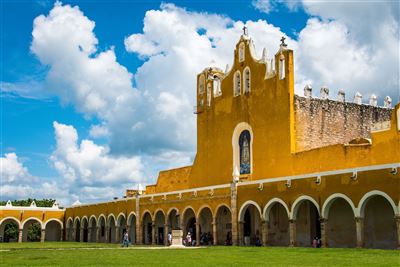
{"x": 43, "y": 235}
{"x": 117, "y": 234}
{"x": 89, "y": 238}
{"x": 62, "y": 234}
{"x": 73, "y": 234}
{"x": 81, "y": 234}
{"x": 107, "y": 231}
{"x": 197, "y": 232}
{"x": 360, "y": 231}
{"x": 264, "y": 231}
{"x": 292, "y": 232}
{"x": 153, "y": 233}
{"x": 240, "y": 233}
{"x": 215, "y": 234}
{"x": 234, "y": 219}
{"x": 98, "y": 233}
{"x": 139, "y": 236}
{"x": 20, "y": 232}
{"x": 324, "y": 232}
{"x": 397, "y": 218}
{"x": 166, "y": 234}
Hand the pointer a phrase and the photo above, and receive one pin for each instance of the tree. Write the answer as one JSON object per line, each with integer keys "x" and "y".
{"x": 27, "y": 202}
{"x": 34, "y": 232}
{"x": 10, "y": 231}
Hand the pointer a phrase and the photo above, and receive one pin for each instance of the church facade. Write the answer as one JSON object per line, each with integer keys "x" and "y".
{"x": 271, "y": 167}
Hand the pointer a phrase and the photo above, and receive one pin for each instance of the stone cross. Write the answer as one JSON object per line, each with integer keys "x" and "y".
{"x": 244, "y": 30}
{"x": 283, "y": 41}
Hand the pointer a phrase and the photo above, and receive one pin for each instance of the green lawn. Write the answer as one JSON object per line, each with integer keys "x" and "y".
{"x": 92, "y": 254}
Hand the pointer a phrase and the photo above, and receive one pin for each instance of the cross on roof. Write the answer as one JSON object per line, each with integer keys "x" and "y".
{"x": 283, "y": 41}
{"x": 244, "y": 30}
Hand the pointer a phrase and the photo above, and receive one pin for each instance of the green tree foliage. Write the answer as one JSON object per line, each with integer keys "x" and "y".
{"x": 27, "y": 202}
{"x": 34, "y": 232}
{"x": 11, "y": 232}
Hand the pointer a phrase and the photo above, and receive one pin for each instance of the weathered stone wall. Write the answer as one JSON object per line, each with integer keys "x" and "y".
{"x": 326, "y": 122}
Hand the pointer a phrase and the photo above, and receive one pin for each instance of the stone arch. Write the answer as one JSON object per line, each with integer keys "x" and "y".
{"x": 270, "y": 204}
{"x": 102, "y": 225}
{"x": 70, "y": 229}
{"x": 223, "y": 220}
{"x": 296, "y": 204}
{"x": 276, "y": 213}
{"x": 367, "y": 196}
{"x": 109, "y": 217}
{"x": 245, "y": 205}
{"x": 30, "y": 222}
{"x": 85, "y": 228}
{"x": 205, "y": 219}
{"x": 11, "y": 218}
{"x": 378, "y": 213}
{"x": 189, "y": 221}
{"x": 246, "y": 80}
{"x": 237, "y": 83}
{"x": 112, "y": 224}
{"x": 53, "y": 229}
{"x": 340, "y": 213}
{"x": 7, "y": 221}
{"x": 121, "y": 216}
{"x": 241, "y": 127}
{"x": 131, "y": 222}
{"x": 305, "y": 214}
{"x": 249, "y": 223}
{"x": 221, "y": 206}
{"x": 328, "y": 202}
{"x": 203, "y": 207}
{"x": 77, "y": 229}
{"x": 91, "y": 218}
{"x": 121, "y": 226}
{"x": 101, "y": 216}
{"x": 147, "y": 212}
{"x": 93, "y": 228}
{"x": 172, "y": 219}
{"x": 147, "y": 230}
{"x": 159, "y": 221}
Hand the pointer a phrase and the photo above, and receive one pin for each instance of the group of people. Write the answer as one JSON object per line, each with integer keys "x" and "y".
{"x": 317, "y": 242}
{"x": 206, "y": 239}
{"x": 189, "y": 241}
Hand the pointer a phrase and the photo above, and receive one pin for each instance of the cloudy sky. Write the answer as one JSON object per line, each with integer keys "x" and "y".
{"x": 97, "y": 96}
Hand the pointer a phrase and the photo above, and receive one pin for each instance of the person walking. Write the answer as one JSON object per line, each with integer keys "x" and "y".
{"x": 125, "y": 242}
{"x": 169, "y": 239}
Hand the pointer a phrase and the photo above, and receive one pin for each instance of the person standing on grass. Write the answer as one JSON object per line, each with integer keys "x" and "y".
{"x": 125, "y": 240}
{"x": 189, "y": 239}
{"x": 169, "y": 239}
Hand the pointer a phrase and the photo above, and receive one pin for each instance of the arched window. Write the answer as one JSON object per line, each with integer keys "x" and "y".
{"x": 244, "y": 150}
{"x": 236, "y": 84}
{"x": 201, "y": 84}
{"x": 209, "y": 94}
{"x": 246, "y": 79}
{"x": 217, "y": 87}
{"x": 281, "y": 67}
{"x": 241, "y": 52}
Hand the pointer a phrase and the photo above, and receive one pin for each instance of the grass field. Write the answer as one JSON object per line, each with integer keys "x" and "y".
{"x": 93, "y": 254}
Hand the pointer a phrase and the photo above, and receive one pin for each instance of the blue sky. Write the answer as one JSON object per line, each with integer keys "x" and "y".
{"x": 113, "y": 82}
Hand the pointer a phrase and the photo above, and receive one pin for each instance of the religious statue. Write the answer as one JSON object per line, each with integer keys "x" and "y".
{"x": 244, "y": 143}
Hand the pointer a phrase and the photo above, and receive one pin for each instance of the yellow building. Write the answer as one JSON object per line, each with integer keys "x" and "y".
{"x": 271, "y": 167}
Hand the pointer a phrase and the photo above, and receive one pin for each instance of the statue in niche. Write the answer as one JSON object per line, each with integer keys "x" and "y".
{"x": 244, "y": 145}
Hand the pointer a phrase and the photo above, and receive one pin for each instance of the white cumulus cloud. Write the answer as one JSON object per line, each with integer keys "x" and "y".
{"x": 89, "y": 164}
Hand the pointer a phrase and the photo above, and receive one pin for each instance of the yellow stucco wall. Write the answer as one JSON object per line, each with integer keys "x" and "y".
{"x": 269, "y": 110}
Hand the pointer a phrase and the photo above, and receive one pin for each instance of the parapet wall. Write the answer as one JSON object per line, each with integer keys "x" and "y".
{"x": 324, "y": 122}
